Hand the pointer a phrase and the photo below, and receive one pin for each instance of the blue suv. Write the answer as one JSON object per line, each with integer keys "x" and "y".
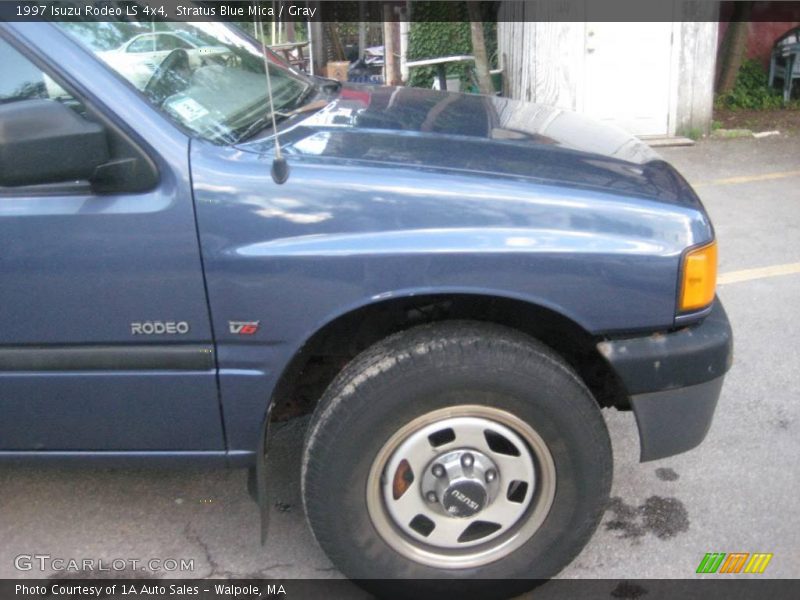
{"x": 454, "y": 286}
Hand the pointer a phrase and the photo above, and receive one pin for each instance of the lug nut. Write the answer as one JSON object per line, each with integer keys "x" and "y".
{"x": 438, "y": 471}
{"x": 467, "y": 460}
{"x": 431, "y": 497}
{"x": 491, "y": 475}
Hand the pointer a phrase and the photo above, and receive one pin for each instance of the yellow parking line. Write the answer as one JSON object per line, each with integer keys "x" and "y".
{"x": 748, "y": 178}
{"x": 759, "y": 273}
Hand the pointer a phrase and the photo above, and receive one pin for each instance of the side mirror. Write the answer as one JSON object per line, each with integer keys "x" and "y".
{"x": 43, "y": 141}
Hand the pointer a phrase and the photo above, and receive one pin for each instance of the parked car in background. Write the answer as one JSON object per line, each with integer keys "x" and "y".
{"x": 453, "y": 286}
{"x": 138, "y": 58}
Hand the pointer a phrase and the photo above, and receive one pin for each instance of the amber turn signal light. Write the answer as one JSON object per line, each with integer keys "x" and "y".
{"x": 699, "y": 278}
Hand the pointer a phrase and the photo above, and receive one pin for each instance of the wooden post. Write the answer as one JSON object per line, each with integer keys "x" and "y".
{"x": 392, "y": 72}
{"x": 405, "y": 27}
{"x": 316, "y": 47}
{"x": 734, "y": 46}
{"x": 362, "y": 29}
{"x": 479, "y": 49}
{"x": 516, "y": 45}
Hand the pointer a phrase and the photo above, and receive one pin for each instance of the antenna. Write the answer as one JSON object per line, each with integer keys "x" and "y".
{"x": 280, "y": 168}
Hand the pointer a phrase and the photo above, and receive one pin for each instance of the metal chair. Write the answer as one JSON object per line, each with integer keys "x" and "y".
{"x": 785, "y": 61}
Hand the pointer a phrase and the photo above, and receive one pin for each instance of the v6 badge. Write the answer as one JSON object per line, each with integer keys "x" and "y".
{"x": 243, "y": 327}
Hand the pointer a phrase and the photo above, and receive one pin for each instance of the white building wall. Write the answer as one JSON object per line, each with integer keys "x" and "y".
{"x": 543, "y": 46}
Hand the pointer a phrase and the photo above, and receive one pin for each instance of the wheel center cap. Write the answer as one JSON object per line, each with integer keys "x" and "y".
{"x": 464, "y": 498}
{"x": 460, "y": 483}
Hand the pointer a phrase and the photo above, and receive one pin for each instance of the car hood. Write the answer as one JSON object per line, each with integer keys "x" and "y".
{"x": 423, "y": 128}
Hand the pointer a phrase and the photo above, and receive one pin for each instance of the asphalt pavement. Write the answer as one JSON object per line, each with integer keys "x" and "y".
{"x": 737, "y": 492}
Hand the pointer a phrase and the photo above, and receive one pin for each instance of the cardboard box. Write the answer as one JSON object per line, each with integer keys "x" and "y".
{"x": 338, "y": 69}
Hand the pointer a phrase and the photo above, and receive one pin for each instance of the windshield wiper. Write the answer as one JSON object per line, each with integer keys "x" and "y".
{"x": 331, "y": 84}
{"x": 266, "y": 120}
{"x": 259, "y": 124}
{"x": 310, "y": 90}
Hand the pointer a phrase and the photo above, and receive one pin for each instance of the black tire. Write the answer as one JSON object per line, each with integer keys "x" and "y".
{"x": 443, "y": 365}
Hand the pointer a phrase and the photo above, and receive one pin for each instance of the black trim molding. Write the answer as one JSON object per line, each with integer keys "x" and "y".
{"x": 192, "y": 357}
{"x": 670, "y": 360}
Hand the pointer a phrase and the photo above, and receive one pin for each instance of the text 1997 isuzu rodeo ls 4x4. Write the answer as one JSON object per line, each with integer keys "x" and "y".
{"x": 454, "y": 284}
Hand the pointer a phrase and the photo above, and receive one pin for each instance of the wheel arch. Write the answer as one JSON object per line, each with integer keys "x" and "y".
{"x": 331, "y": 345}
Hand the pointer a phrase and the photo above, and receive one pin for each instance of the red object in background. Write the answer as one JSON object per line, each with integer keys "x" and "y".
{"x": 274, "y": 57}
{"x": 359, "y": 95}
{"x": 761, "y": 37}
{"x": 768, "y": 22}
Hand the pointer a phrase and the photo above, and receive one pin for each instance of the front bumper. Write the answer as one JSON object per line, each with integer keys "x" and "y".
{"x": 674, "y": 380}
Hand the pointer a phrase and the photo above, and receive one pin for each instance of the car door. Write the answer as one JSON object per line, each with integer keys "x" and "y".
{"x": 105, "y": 340}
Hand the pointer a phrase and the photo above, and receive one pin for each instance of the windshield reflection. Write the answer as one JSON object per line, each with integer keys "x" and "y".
{"x": 208, "y": 77}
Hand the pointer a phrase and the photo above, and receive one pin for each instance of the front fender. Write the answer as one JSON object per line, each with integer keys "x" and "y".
{"x": 336, "y": 237}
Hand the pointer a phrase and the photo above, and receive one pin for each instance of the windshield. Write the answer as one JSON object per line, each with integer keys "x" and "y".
{"x": 208, "y": 77}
